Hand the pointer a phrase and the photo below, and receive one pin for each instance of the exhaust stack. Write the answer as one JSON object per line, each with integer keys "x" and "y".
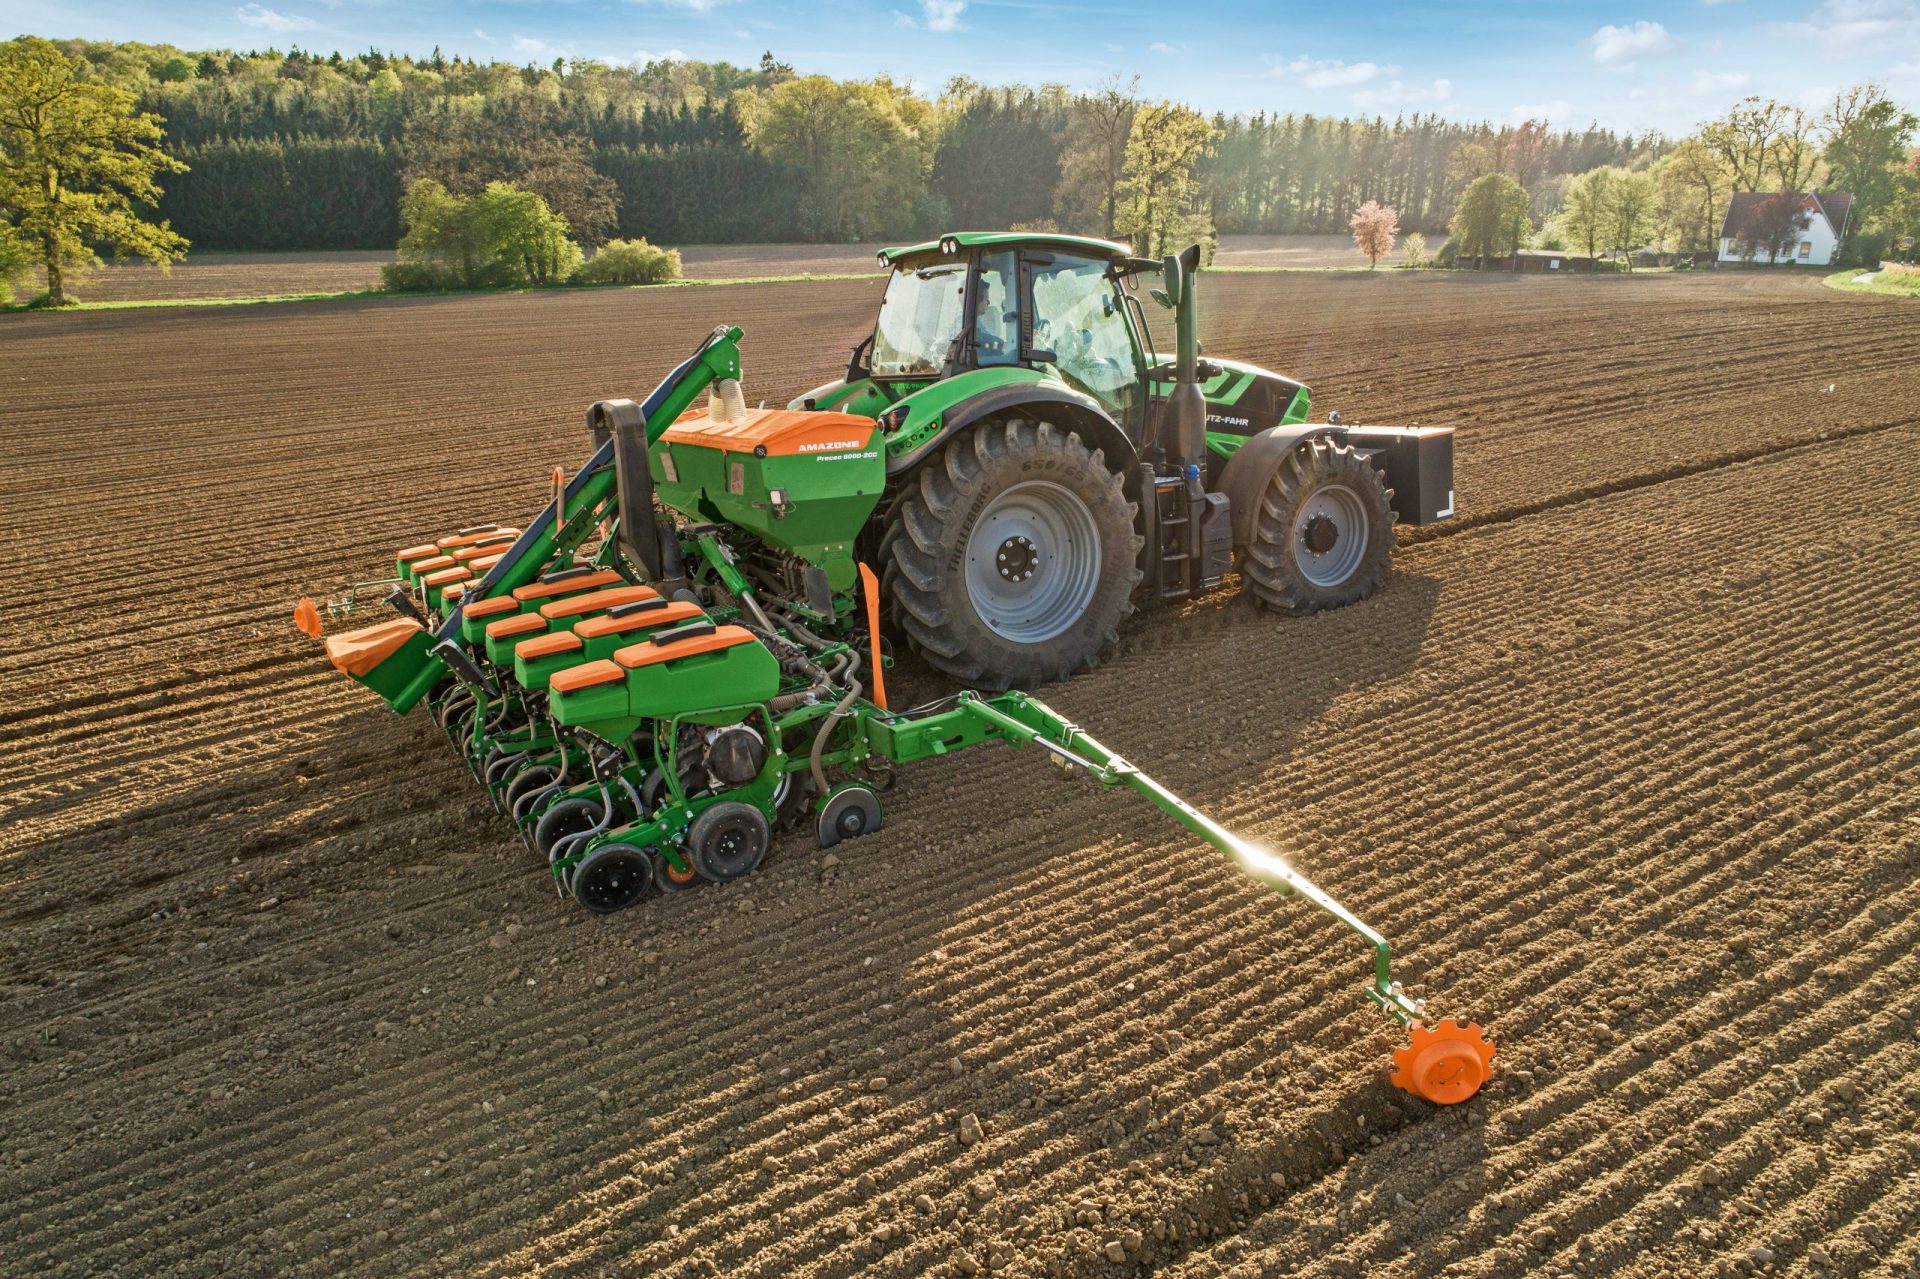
{"x": 1183, "y": 429}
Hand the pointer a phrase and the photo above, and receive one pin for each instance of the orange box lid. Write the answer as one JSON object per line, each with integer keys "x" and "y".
{"x": 781, "y": 432}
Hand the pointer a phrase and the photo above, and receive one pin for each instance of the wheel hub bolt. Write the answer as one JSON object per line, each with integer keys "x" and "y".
{"x": 1016, "y": 559}
{"x": 1319, "y": 535}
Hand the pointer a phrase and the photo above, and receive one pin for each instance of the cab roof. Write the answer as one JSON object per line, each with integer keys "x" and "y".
{"x": 953, "y": 243}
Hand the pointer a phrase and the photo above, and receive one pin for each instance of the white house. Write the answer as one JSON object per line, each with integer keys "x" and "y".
{"x": 1823, "y": 225}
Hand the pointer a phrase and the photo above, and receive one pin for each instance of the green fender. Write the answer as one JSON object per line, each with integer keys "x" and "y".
{"x": 1251, "y": 469}
{"x": 918, "y": 424}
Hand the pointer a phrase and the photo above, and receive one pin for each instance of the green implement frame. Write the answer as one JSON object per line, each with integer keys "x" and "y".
{"x": 1018, "y": 719}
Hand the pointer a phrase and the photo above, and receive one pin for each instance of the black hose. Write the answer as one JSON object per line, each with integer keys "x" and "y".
{"x": 838, "y": 713}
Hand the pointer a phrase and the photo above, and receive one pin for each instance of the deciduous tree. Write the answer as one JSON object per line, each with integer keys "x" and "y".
{"x": 1584, "y": 216}
{"x": 1093, "y": 158}
{"x": 1492, "y": 218}
{"x": 1762, "y": 143}
{"x": 860, "y": 152}
{"x": 1867, "y": 138}
{"x": 501, "y": 237}
{"x": 1694, "y": 184}
{"x": 1160, "y": 196}
{"x": 74, "y": 156}
{"x": 1374, "y": 229}
{"x": 1629, "y": 211}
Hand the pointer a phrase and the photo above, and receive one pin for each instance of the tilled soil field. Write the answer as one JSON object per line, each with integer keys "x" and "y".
{"x": 1625, "y": 761}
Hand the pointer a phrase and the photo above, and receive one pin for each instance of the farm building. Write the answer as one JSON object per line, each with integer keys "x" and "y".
{"x": 1823, "y": 227}
{"x": 1551, "y": 260}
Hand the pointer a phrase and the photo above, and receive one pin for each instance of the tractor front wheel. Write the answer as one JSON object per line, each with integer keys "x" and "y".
{"x": 1323, "y": 531}
{"x": 1011, "y": 558}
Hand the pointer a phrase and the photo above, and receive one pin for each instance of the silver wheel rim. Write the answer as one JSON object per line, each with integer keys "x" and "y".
{"x": 1330, "y": 535}
{"x": 1033, "y": 562}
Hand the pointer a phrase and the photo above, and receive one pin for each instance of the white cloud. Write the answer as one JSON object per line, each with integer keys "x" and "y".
{"x": 533, "y": 48}
{"x": 1397, "y": 93}
{"x": 1718, "y": 83}
{"x": 697, "y": 6}
{"x": 935, "y": 15}
{"x": 1849, "y": 26}
{"x": 254, "y": 15}
{"x": 641, "y": 57}
{"x": 1116, "y": 48}
{"x": 1332, "y": 73}
{"x": 479, "y": 34}
{"x": 1619, "y": 46}
{"x": 1162, "y": 48}
{"x": 1906, "y": 70}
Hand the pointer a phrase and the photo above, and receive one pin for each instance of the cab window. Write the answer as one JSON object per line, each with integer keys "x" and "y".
{"x": 996, "y": 325}
{"x": 1077, "y": 316}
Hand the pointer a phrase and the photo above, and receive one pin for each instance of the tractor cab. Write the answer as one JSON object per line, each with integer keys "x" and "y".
{"x": 1052, "y": 304}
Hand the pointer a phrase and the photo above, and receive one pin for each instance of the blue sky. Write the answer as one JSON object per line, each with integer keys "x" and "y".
{"x": 1628, "y": 65}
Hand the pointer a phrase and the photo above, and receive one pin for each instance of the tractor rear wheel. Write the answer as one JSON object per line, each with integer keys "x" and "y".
{"x": 1011, "y": 558}
{"x": 1323, "y": 532}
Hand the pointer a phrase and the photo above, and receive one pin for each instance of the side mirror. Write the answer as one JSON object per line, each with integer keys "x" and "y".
{"x": 1160, "y": 296}
{"x": 1174, "y": 271}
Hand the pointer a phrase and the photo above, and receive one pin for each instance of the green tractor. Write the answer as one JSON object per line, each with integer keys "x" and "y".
{"x": 683, "y": 652}
{"x": 1049, "y": 467}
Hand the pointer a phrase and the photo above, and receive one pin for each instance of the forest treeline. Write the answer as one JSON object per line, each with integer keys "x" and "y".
{"x": 300, "y": 150}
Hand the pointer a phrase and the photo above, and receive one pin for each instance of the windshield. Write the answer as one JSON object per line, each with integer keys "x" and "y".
{"x": 919, "y": 320}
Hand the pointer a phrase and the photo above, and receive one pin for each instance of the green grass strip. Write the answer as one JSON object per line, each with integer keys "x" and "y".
{"x": 1899, "y": 284}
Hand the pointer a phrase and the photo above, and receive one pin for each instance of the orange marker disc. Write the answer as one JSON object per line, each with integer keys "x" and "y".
{"x": 1446, "y": 1063}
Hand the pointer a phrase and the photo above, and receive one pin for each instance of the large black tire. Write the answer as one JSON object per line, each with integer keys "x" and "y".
{"x": 1323, "y": 534}
{"x": 993, "y": 478}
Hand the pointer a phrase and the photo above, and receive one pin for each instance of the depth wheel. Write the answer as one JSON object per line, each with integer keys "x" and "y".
{"x": 568, "y": 817}
{"x": 611, "y": 877}
{"x": 728, "y": 840}
{"x": 1322, "y": 533}
{"x": 1013, "y": 558}
{"x": 851, "y": 811}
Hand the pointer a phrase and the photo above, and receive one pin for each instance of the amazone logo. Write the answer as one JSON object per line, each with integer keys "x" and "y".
{"x": 829, "y": 446}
